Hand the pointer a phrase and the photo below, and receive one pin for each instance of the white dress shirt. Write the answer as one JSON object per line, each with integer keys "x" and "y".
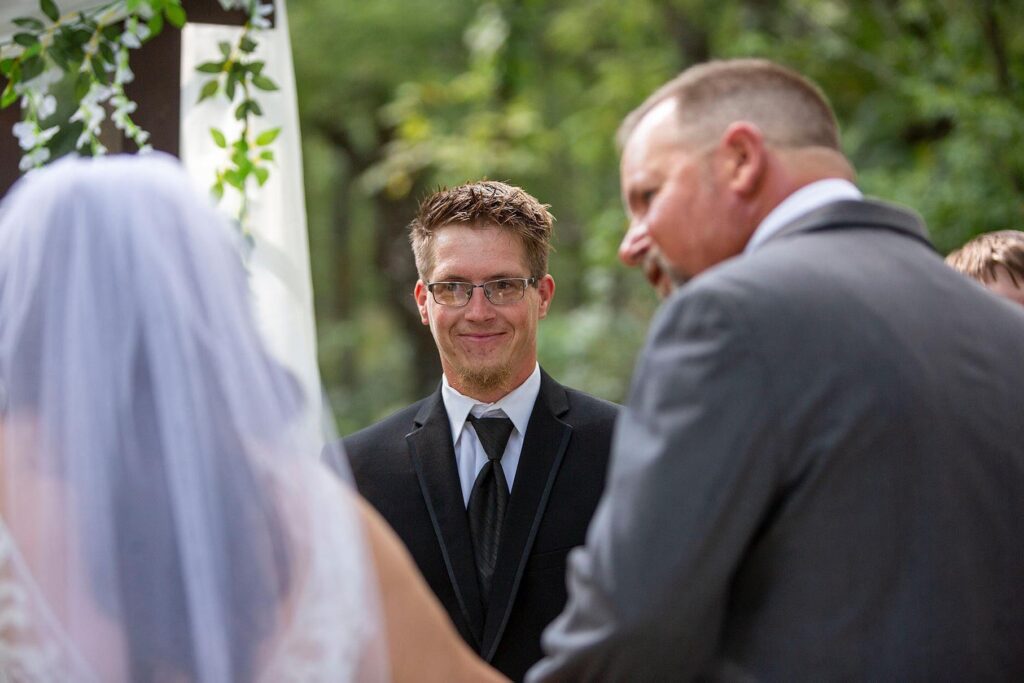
{"x": 470, "y": 456}
{"x": 806, "y": 199}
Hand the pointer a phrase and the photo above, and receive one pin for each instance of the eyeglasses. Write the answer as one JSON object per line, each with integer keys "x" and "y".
{"x": 506, "y": 290}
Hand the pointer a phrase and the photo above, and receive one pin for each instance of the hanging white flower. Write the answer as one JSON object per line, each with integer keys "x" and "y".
{"x": 34, "y": 159}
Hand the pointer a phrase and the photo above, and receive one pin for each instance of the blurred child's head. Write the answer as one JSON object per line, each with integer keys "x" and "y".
{"x": 996, "y": 260}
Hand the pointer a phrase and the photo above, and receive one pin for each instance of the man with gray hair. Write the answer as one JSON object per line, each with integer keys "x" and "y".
{"x": 819, "y": 473}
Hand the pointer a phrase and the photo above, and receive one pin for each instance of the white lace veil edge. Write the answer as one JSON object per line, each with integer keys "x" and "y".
{"x": 165, "y": 515}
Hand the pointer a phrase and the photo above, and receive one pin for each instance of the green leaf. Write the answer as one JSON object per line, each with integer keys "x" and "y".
{"x": 32, "y": 51}
{"x": 248, "y": 107}
{"x": 234, "y": 179}
{"x": 225, "y": 48}
{"x": 29, "y": 23}
{"x": 6, "y": 65}
{"x": 49, "y": 8}
{"x": 218, "y": 138}
{"x": 264, "y": 83}
{"x": 82, "y": 84}
{"x": 247, "y": 45}
{"x": 26, "y": 39}
{"x": 210, "y": 67}
{"x": 107, "y": 54}
{"x": 176, "y": 15}
{"x": 261, "y": 174}
{"x": 218, "y": 190}
{"x": 60, "y": 57}
{"x": 112, "y": 32}
{"x": 9, "y": 96}
{"x": 156, "y": 24}
{"x": 132, "y": 5}
{"x": 63, "y": 38}
{"x": 229, "y": 87}
{"x": 208, "y": 91}
{"x": 267, "y": 155}
{"x": 267, "y": 136}
{"x": 30, "y": 68}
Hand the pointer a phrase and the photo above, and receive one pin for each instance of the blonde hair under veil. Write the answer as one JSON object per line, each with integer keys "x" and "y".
{"x": 163, "y": 517}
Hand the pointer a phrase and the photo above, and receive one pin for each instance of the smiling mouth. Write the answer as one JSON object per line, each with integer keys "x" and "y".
{"x": 481, "y": 336}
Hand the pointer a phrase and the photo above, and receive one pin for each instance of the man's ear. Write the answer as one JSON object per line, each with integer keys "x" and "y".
{"x": 743, "y": 149}
{"x": 546, "y": 289}
{"x": 420, "y": 293}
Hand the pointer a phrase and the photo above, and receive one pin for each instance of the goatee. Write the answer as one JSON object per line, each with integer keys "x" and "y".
{"x": 485, "y": 380}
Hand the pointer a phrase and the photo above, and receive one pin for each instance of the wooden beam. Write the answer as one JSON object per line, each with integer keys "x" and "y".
{"x": 210, "y": 12}
{"x": 10, "y": 153}
{"x": 157, "y": 91}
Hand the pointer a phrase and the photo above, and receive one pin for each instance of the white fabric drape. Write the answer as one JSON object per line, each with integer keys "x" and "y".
{"x": 279, "y": 263}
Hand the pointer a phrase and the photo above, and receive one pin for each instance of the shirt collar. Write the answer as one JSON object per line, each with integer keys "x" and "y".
{"x": 516, "y": 404}
{"x": 806, "y": 199}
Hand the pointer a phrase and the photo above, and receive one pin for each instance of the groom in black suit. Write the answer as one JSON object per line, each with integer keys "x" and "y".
{"x": 493, "y": 478}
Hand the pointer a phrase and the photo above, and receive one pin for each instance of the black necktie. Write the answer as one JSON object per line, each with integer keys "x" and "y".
{"x": 489, "y": 498}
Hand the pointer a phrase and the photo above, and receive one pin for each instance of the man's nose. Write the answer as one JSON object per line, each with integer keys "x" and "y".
{"x": 479, "y": 306}
{"x": 635, "y": 243}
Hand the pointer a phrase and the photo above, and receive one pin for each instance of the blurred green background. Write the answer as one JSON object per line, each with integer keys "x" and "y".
{"x": 399, "y": 96}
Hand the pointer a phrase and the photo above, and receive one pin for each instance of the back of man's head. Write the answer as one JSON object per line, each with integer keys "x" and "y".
{"x": 483, "y": 203}
{"x": 790, "y": 110}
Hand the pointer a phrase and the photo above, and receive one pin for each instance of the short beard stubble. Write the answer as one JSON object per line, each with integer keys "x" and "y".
{"x": 485, "y": 380}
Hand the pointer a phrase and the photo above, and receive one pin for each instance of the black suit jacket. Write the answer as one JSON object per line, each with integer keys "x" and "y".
{"x": 405, "y": 467}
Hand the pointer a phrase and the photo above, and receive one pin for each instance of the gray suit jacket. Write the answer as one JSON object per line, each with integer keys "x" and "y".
{"x": 819, "y": 474}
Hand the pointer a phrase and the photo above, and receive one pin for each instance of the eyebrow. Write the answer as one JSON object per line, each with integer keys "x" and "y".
{"x": 461, "y": 278}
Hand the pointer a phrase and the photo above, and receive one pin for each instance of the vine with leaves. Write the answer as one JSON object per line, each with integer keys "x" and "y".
{"x": 83, "y": 56}
{"x": 237, "y": 76}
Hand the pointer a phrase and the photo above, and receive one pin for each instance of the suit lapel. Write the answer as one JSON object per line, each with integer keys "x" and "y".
{"x": 433, "y": 456}
{"x": 543, "y": 449}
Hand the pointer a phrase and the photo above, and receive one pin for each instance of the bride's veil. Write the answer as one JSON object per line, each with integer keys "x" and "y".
{"x": 163, "y": 515}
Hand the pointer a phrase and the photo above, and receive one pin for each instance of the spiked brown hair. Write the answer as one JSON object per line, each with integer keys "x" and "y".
{"x": 484, "y": 203}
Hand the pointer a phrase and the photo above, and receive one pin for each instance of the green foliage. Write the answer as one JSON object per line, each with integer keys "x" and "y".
{"x": 88, "y": 48}
{"x": 235, "y": 78}
{"x": 398, "y": 96}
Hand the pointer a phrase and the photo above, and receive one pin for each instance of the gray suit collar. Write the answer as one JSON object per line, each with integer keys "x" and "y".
{"x": 871, "y": 214}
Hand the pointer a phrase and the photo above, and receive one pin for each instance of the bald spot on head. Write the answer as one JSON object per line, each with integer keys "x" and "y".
{"x": 789, "y": 110}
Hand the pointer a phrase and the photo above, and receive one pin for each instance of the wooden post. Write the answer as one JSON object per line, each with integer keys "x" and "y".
{"x": 10, "y": 153}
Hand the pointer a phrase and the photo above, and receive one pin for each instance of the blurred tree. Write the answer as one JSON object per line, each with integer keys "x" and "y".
{"x": 350, "y": 60}
{"x": 399, "y": 96}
